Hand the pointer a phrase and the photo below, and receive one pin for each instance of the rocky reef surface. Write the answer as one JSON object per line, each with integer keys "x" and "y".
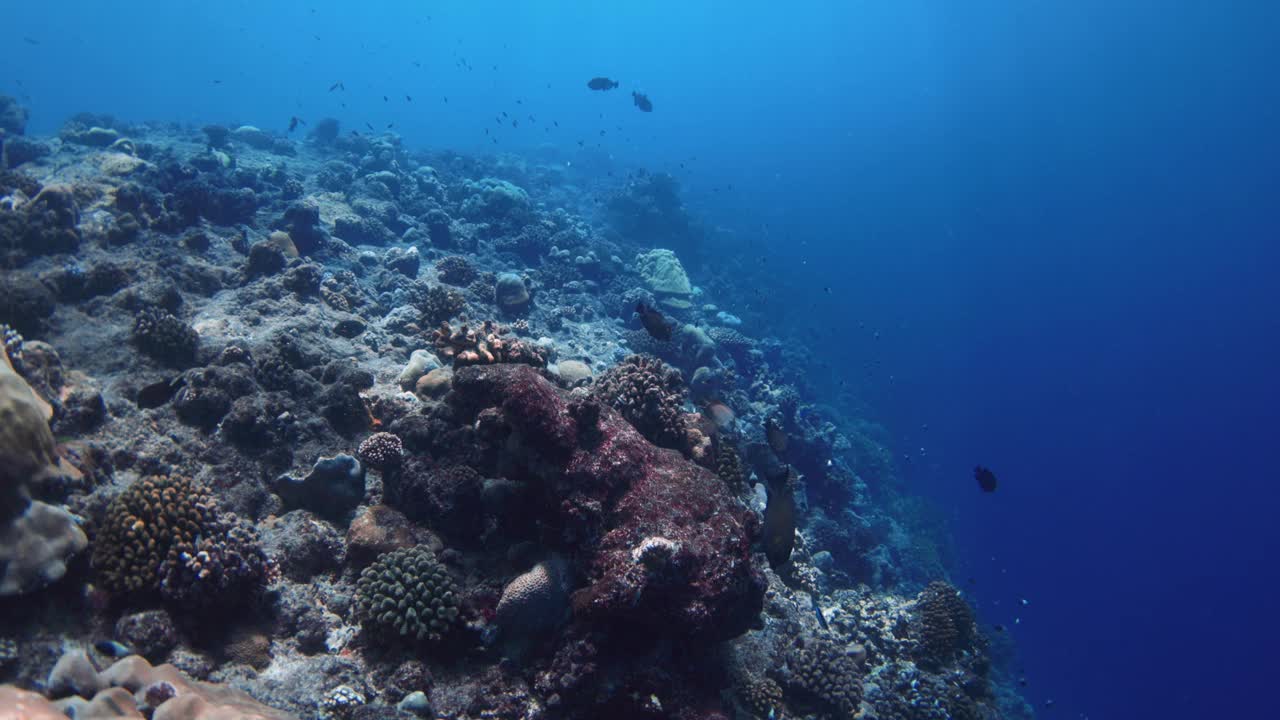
{"x": 338, "y": 428}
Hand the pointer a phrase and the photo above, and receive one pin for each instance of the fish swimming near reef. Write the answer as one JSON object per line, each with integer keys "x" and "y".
{"x": 779, "y": 528}
{"x": 294, "y": 122}
{"x": 657, "y": 325}
{"x": 775, "y": 436}
{"x": 111, "y": 648}
{"x": 642, "y": 101}
{"x": 986, "y": 479}
{"x": 602, "y": 83}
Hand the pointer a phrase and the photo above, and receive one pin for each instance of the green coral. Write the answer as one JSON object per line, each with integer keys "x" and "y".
{"x": 408, "y": 593}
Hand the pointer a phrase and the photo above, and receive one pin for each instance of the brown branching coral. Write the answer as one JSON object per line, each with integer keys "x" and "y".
{"x": 944, "y": 623}
{"x": 650, "y": 395}
{"x": 485, "y": 345}
{"x": 762, "y": 696}
{"x": 823, "y": 672}
{"x": 164, "y": 533}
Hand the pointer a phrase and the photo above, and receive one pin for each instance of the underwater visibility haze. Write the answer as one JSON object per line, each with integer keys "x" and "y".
{"x": 640, "y": 359}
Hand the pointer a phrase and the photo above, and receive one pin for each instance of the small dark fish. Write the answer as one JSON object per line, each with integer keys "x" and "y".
{"x": 386, "y": 99}
{"x": 217, "y": 82}
{"x": 817, "y": 610}
{"x": 159, "y": 393}
{"x": 998, "y": 628}
{"x": 776, "y": 436}
{"x": 654, "y": 323}
{"x": 602, "y": 83}
{"x": 642, "y": 101}
{"x": 986, "y": 479}
{"x": 446, "y": 99}
{"x": 390, "y": 125}
{"x": 779, "y": 527}
{"x": 337, "y": 86}
{"x": 408, "y": 99}
{"x": 368, "y": 125}
{"x": 111, "y": 648}
{"x": 30, "y": 41}
{"x": 294, "y": 122}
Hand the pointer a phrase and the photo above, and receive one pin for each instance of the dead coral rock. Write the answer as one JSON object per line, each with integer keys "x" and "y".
{"x": 614, "y": 495}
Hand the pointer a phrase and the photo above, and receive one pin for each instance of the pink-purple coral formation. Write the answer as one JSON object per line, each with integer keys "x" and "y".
{"x": 612, "y": 496}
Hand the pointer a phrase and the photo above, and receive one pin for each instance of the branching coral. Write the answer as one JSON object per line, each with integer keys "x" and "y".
{"x": 485, "y": 345}
{"x": 650, "y": 395}
{"x": 823, "y": 672}
{"x": 944, "y": 623}
{"x": 164, "y": 533}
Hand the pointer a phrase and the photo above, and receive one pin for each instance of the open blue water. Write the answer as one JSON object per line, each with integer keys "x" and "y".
{"x": 1040, "y": 236}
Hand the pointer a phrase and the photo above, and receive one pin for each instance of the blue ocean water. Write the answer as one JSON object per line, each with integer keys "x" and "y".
{"x": 1037, "y": 236}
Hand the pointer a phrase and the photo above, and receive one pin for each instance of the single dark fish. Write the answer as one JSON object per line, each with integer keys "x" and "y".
{"x": 337, "y": 86}
{"x": 986, "y": 479}
{"x": 159, "y": 393}
{"x": 30, "y": 40}
{"x": 111, "y": 648}
{"x": 642, "y": 101}
{"x": 385, "y": 99}
{"x": 602, "y": 83}
{"x": 294, "y": 122}
{"x": 817, "y": 610}
{"x": 408, "y": 98}
{"x": 775, "y": 436}
{"x": 779, "y": 529}
{"x": 654, "y": 323}
{"x": 370, "y": 126}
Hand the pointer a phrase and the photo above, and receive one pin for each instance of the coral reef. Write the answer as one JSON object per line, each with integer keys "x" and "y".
{"x": 555, "y": 526}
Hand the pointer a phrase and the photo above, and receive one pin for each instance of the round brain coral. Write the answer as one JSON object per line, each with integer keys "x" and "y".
{"x": 408, "y": 593}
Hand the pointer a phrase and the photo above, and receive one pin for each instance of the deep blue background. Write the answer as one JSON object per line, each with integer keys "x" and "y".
{"x": 1049, "y": 228}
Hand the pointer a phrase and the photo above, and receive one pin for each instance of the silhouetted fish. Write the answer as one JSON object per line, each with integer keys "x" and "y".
{"x": 642, "y": 101}
{"x": 602, "y": 83}
{"x": 408, "y": 99}
{"x": 294, "y": 122}
{"x": 654, "y": 323}
{"x": 986, "y": 479}
{"x": 775, "y": 436}
{"x": 159, "y": 393}
{"x": 779, "y": 530}
{"x": 30, "y": 40}
{"x": 337, "y": 86}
